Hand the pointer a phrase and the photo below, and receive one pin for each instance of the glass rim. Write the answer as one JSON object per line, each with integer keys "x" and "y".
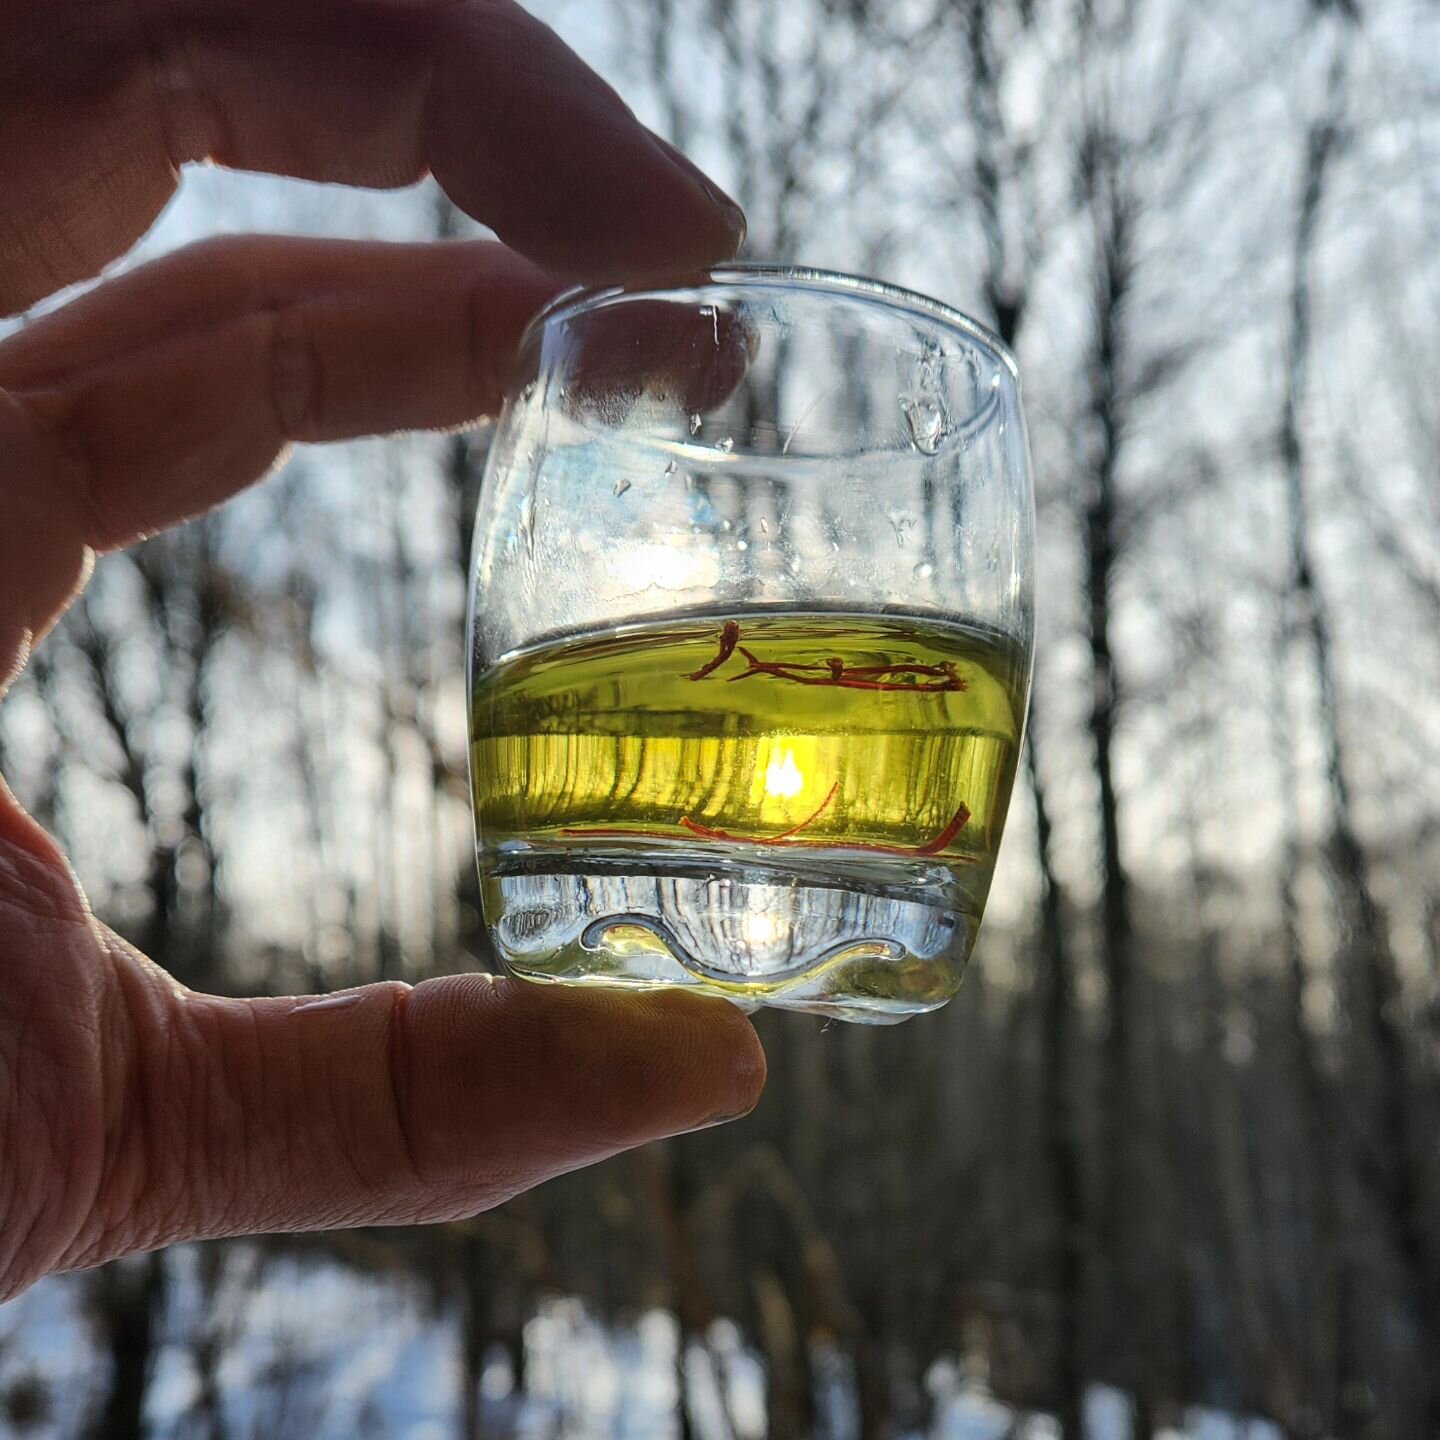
{"x": 583, "y": 297}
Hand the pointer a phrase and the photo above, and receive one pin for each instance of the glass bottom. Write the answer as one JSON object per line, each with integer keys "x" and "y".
{"x": 854, "y": 939}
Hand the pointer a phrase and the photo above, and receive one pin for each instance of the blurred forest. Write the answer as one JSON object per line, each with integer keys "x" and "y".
{"x": 1180, "y": 1134}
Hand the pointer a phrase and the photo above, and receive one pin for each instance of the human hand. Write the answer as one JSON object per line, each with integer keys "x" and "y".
{"x": 133, "y": 1112}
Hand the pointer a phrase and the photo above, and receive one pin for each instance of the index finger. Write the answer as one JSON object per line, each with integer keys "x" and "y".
{"x": 101, "y": 102}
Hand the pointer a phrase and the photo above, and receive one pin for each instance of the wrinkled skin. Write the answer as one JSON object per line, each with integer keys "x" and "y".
{"x": 133, "y": 1112}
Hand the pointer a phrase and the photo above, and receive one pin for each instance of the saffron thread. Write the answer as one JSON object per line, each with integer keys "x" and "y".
{"x": 832, "y": 672}
{"x": 729, "y": 639}
{"x": 785, "y": 840}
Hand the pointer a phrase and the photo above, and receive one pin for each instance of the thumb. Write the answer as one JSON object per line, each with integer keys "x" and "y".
{"x": 388, "y": 1105}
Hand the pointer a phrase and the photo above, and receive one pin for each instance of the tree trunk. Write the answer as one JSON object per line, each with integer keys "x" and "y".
{"x": 1124, "y": 1205}
{"x": 127, "y": 1299}
{"x": 666, "y": 1184}
{"x": 1058, "y": 1120}
{"x": 476, "y": 1297}
{"x": 1392, "y": 1169}
{"x": 1321, "y": 1286}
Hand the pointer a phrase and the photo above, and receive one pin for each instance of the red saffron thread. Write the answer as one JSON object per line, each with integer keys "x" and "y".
{"x": 937, "y": 843}
{"x": 957, "y": 823}
{"x": 729, "y": 638}
{"x": 706, "y": 833}
{"x": 834, "y": 671}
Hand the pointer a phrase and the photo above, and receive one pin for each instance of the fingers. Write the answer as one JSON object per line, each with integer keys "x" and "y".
{"x": 165, "y": 391}
{"x": 104, "y": 101}
{"x": 386, "y": 1105}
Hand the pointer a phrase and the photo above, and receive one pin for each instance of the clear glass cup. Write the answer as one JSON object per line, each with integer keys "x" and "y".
{"x": 750, "y": 636}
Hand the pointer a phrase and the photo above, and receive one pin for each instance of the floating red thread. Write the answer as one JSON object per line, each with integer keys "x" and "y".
{"x": 831, "y": 672}
{"x": 729, "y": 638}
{"x": 785, "y": 839}
{"x": 834, "y": 671}
{"x": 957, "y": 823}
{"x": 781, "y": 839}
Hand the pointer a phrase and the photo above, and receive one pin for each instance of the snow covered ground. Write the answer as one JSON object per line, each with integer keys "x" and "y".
{"x": 322, "y": 1353}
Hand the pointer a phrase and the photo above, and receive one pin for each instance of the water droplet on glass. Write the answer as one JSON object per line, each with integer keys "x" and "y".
{"x": 621, "y": 486}
{"x": 925, "y": 419}
{"x": 695, "y": 423}
{"x": 725, "y": 446}
{"x": 923, "y": 571}
{"x": 671, "y": 468}
{"x": 764, "y": 528}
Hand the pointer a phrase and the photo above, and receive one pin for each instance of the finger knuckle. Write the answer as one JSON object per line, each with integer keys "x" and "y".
{"x": 295, "y": 375}
{"x": 397, "y": 1051}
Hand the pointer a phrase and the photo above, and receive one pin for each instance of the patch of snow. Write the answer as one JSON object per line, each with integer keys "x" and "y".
{"x": 347, "y": 1344}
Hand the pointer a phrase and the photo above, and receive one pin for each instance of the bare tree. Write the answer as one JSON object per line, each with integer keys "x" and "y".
{"x": 1065, "y": 1172}
{"x": 1388, "y": 1162}
{"x": 127, "y": 1304}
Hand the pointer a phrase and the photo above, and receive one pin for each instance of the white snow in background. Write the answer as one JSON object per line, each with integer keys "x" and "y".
{"x": 359, "y": 1350}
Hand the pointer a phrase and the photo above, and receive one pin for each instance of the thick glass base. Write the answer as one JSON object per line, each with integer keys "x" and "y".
{"x": 834, "y": 934}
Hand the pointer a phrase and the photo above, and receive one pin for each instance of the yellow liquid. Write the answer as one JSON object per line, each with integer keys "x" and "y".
{"x": 802, "y": 808}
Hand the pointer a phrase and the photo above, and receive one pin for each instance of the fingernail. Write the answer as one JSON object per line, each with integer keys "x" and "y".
{"x": 733, "y": 215}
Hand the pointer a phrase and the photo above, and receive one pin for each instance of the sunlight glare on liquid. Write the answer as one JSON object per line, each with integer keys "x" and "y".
{"x": 783, "y": 777}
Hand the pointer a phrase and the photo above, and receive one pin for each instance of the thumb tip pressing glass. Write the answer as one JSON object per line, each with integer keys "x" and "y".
{"x": 750, "y": 637}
